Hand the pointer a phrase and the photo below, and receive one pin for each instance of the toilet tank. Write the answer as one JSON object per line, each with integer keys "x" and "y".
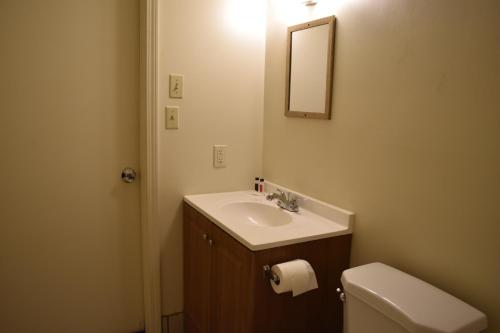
{"x": 382, "y": 299}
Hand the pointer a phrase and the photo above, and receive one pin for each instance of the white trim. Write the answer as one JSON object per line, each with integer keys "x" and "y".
{"x": 149, "y": 164}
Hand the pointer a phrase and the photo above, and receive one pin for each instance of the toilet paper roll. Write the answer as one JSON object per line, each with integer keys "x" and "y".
{"x": 296, "y": 276}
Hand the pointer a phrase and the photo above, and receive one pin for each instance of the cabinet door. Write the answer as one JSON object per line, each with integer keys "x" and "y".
{"x": 231, "y": 296}
{"x": 196, "y": 271}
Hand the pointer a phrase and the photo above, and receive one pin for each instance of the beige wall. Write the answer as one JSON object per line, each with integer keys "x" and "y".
{"x": 69, "y": 227}
{"x": 413, "y": 146}
{"x": 218, "y": 46}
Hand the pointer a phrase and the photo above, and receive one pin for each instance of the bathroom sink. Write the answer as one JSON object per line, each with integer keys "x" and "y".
{"x": 260, "y": 224}
{"x": 256, "y": 213}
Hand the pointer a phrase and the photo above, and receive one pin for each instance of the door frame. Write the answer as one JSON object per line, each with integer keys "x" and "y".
{"x": 148, "y": 147}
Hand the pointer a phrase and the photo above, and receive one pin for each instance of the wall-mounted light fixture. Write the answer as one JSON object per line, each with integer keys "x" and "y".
{"x": 293, "y": 12}
{"x": 310, "y": 3}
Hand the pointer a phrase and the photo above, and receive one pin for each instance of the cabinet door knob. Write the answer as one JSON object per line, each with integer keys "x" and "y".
{"x": 210, "y": 242}
{"x": 205, "y": 236}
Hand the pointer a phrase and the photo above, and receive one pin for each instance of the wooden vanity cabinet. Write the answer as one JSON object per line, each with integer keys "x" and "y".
{"x": 231, "y": 284}
{"x": 197, "y": 269}
{"x": 225, "y": 290}
{"x": 217, "y": 284}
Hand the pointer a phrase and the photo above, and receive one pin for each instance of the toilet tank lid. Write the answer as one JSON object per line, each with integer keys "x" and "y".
{"x": 416, "y": 305}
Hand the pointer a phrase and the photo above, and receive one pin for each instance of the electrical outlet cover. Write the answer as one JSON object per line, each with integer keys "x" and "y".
{"x": 220, "y": 156}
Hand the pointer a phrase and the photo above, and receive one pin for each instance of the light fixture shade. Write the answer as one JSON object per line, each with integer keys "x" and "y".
{"x": 310, "y": 3}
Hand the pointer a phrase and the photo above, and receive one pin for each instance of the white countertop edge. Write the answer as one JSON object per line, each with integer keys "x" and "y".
{"x": 270, "y": 245}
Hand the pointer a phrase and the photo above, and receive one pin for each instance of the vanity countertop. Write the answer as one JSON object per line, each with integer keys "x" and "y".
{"x": 260, "y": 224}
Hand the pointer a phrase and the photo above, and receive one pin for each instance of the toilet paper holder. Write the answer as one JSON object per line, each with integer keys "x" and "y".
{"x": 269, "y": 274}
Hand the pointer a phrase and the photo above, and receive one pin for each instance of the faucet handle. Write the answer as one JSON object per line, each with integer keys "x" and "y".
{"x": 294, "y": 206}
{"x": 273, "y": 195}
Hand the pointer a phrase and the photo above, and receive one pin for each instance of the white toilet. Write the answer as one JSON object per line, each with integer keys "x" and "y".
{"x": 382, "y": 299}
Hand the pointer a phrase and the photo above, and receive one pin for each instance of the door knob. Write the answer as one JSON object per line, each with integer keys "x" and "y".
{"x": 129, "y": 175}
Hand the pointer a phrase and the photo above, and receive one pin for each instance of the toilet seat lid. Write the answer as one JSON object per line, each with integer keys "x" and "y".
{"x": 415, "y": 304}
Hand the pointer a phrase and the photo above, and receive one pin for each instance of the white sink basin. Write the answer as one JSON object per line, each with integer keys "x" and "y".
{"x": 256, "y": 213}
{"x": 260, "y": 224}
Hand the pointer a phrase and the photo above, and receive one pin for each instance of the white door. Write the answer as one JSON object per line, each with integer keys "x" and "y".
{"x": 69, "y": 226}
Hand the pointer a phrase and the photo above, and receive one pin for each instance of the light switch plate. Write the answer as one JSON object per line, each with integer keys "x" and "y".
{"x": 172, "y": 117}
{"x": 176, "y": 85}
{"x": 220, "y": 156}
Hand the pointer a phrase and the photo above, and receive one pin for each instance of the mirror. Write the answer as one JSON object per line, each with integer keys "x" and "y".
{"x": 309, "y": 74}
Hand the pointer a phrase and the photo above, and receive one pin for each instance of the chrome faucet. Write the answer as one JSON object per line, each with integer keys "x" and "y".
{"x": 285, "y": 200}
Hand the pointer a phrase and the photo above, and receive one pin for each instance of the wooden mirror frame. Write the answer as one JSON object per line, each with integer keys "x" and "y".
{"x": 329, "y": 71}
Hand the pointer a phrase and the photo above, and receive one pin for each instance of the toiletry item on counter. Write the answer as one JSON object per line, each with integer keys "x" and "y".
{"x": 296, "y": 276}
{"x": 256, "y": 187}
{"x": 261, "y": 185}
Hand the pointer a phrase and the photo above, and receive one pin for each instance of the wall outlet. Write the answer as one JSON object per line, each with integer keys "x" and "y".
{"x": 220, "y": 156}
